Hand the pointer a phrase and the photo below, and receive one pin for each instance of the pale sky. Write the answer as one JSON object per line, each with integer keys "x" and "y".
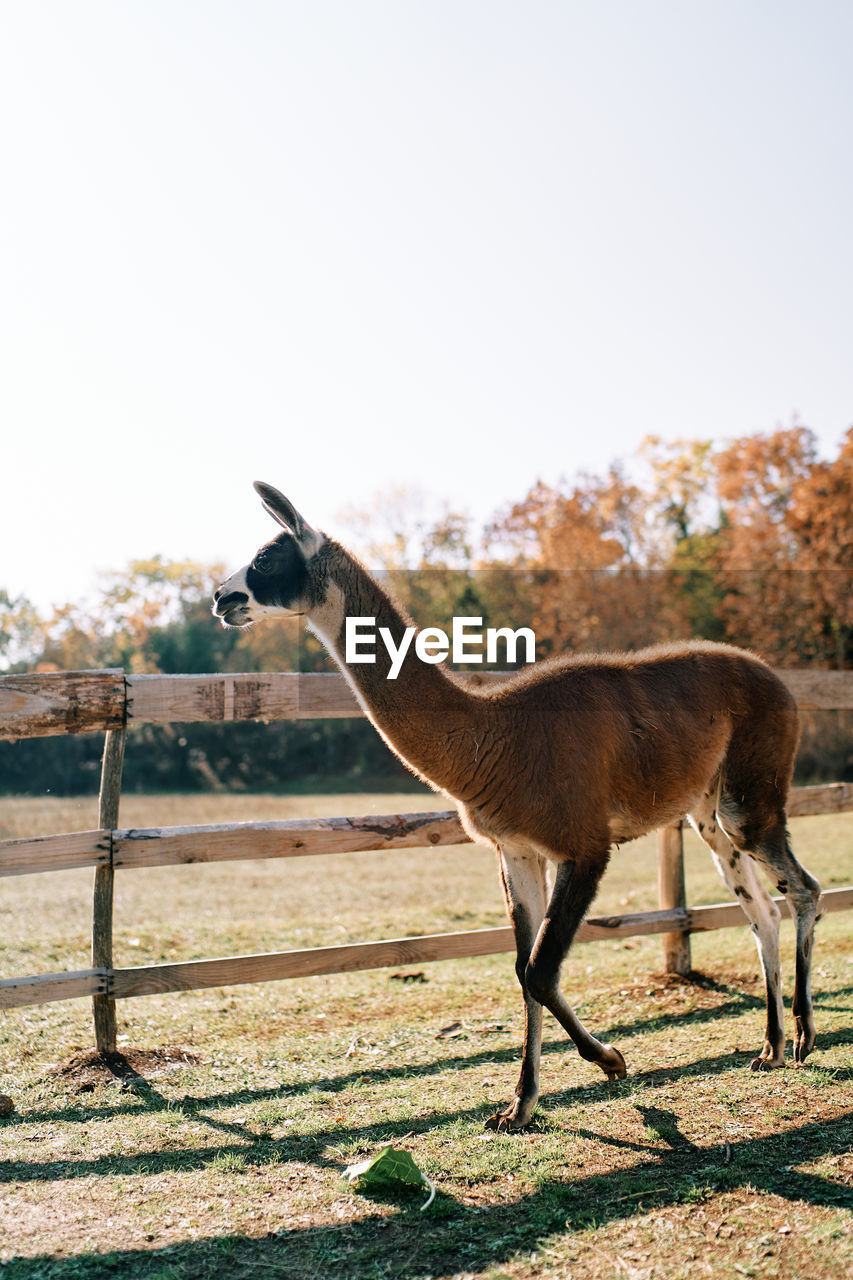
{"x": 348, "y": 245}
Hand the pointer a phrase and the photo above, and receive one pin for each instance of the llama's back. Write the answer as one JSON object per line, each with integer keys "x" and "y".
{"x": 642, "y": 736}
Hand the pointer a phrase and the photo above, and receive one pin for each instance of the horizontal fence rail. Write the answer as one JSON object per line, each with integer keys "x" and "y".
{"x": 45, "y": 704}
{"x": 59, "y": 702}
{"x": 290, "y": 838}
{"x": 227, "y": 971}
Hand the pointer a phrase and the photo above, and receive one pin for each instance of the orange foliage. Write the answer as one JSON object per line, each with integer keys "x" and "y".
{"x": 786, "y": 549}
{"x": 752, "y": 543}
{"x": 596, "y": 582}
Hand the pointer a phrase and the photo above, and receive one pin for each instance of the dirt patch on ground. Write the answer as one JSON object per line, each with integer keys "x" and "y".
{"x": 87, "y": 1068}
{"x": 695, "y": 979}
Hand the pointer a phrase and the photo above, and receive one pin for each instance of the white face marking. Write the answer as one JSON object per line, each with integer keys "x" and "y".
{"x": 231, "y": 601}
{"x": 237, "y": 582}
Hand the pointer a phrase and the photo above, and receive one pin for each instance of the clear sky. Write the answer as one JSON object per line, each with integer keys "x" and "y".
{"x": 353, "y": 244}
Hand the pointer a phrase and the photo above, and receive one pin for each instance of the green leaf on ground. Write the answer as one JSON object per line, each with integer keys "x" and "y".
{"x": 389, "y": 1167}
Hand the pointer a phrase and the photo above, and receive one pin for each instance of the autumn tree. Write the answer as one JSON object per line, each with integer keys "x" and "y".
{"x": 819, "y": 519}
{"x": 684, "y": 515}
{"x": 765, "y": 601}
{"x": 600, "y": 580}
{"x": 20, "y": 630}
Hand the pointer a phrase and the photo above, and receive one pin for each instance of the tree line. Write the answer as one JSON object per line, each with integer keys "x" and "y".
{"x": 750, "y": 541}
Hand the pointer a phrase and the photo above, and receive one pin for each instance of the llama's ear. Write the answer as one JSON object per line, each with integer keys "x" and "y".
{"x": 283, "y": 511}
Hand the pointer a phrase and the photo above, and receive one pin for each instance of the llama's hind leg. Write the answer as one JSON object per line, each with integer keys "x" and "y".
{"x": 525, "y": 890}
{"x": 802, "y": 893}
{"x": 739, "y": 874}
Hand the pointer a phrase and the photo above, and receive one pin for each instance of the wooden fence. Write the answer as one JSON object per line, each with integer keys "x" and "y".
{"x": 89, "y": 701}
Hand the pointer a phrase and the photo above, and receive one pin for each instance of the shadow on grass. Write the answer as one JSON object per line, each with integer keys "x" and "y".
{"x": 255, "y": 1146}
{"x": 144, "y": 1097}
{"x": 451, "y": 1236}
{"x": 407, "y": 1245}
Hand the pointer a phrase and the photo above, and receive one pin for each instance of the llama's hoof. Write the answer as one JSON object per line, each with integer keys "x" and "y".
{"x": 613, "y": 1064}
{"x": 766, "y": 1064}
{"x": 500, "y": 1122}
{"x": 804, "y": 1041}
{"x": 515, "y": 1117}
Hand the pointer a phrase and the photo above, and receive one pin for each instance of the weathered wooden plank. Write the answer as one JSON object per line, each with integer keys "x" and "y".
{"x": 349, "y": 957}
{"x": 268, "y": 695}
{"x": 54, "y": 853}
{"x": 832, "y": 797}
{"x": 236, "y": 970}
{"x": 632, "y": 925}
{"x": 163, "y": 846}
{"x": 346, "y": 958}
{"x": 104, "y": 1007}
{"x": 54, "y": 702}
{"x": 837, "y": 899}
{"x": 44, "y": 988}
{"x": 293, "y": 696}
{"x": 819, "y": 690}
{"x": 41, "y": 704}
{"x": 724, "y": 915}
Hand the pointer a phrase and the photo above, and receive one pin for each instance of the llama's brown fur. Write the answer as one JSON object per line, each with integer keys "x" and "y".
{"x": 557, "y": 763}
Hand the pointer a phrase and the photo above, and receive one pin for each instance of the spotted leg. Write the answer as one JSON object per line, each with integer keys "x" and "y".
{"x": 802, "y": 892}
{"x": 738, "y": 871}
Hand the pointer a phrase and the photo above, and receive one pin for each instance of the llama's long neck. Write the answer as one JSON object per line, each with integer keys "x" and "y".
{"x": 423, "y": 714}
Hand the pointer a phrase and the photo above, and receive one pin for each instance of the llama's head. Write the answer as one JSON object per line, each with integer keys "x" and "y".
{"x": 278, "y": 579}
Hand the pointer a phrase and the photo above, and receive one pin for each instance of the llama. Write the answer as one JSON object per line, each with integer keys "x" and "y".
{"x": 564, "y": 759}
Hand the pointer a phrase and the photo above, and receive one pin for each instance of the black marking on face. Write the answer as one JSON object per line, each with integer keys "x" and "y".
{"x": 231, "y": 607}
{"x": 231, "y": 601}
{"x": 277, "y": 575}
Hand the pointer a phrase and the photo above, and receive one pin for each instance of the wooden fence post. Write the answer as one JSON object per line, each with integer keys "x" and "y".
{"x": 104, "y": 1007}
{"x": 671, "y": 893}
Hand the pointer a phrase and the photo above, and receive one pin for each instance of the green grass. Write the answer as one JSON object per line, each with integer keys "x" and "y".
{"x": 228, "y": 1162}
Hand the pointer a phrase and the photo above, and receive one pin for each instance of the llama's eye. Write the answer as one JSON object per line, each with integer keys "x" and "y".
{"x": 261, "y": 564}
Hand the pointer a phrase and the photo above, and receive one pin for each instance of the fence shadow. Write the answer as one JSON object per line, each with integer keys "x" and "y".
{"x": 257, "y": 1148}
{"x": 145, "y": 1096}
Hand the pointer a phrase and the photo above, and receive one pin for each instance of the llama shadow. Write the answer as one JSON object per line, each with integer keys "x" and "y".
{"x": 137, "y": 1093}
{"x": 454, "y": 1237}
{"x": 260, "y": 1148}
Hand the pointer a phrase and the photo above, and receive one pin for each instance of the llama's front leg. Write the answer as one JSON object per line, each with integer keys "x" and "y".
{"x": 570, "y": 899}
{"x": 520, "y": 1110}
{"x": 523, "y": 880}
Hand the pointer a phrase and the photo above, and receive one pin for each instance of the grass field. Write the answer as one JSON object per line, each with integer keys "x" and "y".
{"x": 228, "y": 1160}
